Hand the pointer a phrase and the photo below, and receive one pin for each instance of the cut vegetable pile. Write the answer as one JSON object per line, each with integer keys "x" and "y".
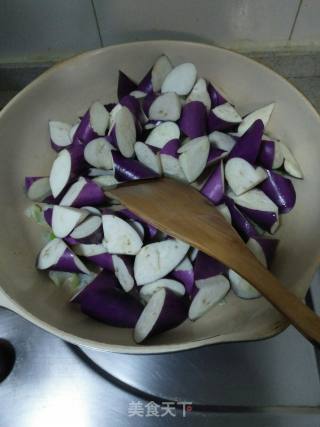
{"x": 121, "y": 270}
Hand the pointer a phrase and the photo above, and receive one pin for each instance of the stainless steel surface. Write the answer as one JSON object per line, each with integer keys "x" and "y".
{"x": 273, "y": 382}
{"x": 280, "y": 371}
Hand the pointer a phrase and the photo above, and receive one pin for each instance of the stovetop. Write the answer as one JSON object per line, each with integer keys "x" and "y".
{"x": 274, "y": 382}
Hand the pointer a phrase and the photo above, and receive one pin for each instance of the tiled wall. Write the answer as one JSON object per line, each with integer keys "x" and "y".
{"x": 45, "y": 29}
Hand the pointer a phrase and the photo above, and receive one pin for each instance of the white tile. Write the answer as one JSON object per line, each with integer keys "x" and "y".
{"x": 307, "y": 27}
{"x": 225, "y": 22}
{"x": 36, "y": 29}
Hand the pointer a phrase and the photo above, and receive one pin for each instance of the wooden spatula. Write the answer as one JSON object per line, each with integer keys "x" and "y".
{"x": 182, "y": 212}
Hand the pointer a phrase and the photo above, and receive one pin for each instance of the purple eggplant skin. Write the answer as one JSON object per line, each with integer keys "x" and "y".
{"x": 103, "y": 260}
{"x": 65, "y": 263}
{"x": 78, "y": 163}
{"x": 111, "y": 137}
{"x": 150, "y": 231}
{"x": 146, "y": 83}
{"x": 105, "y": 280}
{"x": 113, "y": 307}
{"x": 215, "y": 96}
{"x": 265, "y": 219}
{"x": 90, "y": 195}
{"x": 56, "y": 200}
{"x": 269, "y": 247}
{"x": 248, "y": 146}
{"x": 147, "y": 102}
{"x": 47, "y": 214}
{"x": 125, "y": 85}
{"x": 51, "y": 200}
{"x": 239, "y": 221}
{"x": 186, "y": 277}
{"x": 130, "y": 169}
{"x": 215, "y": 123}
{"x": 155, "y": 150}
{"x": 140, "y": 131}
{"x": 174, "y": 312}
{"x": 206, "y": 266}
{"x": 171, "y": 148}
{"x": 280, "y": 190}
{"x": 193, "y": 120}
{"x": 132, "y": 104}
{"x": 84, "y": 132}
{"x": 70, "y": 241}
{"x": 213, "y": 188}
{"x": 94, "y": 238}
{"x": 266, "y": 154}
{"x": 215, "y": 154}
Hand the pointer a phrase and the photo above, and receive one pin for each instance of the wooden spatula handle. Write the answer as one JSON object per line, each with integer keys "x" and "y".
{"x": 299, "y": 314}
{"x": 184, "y": 213}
